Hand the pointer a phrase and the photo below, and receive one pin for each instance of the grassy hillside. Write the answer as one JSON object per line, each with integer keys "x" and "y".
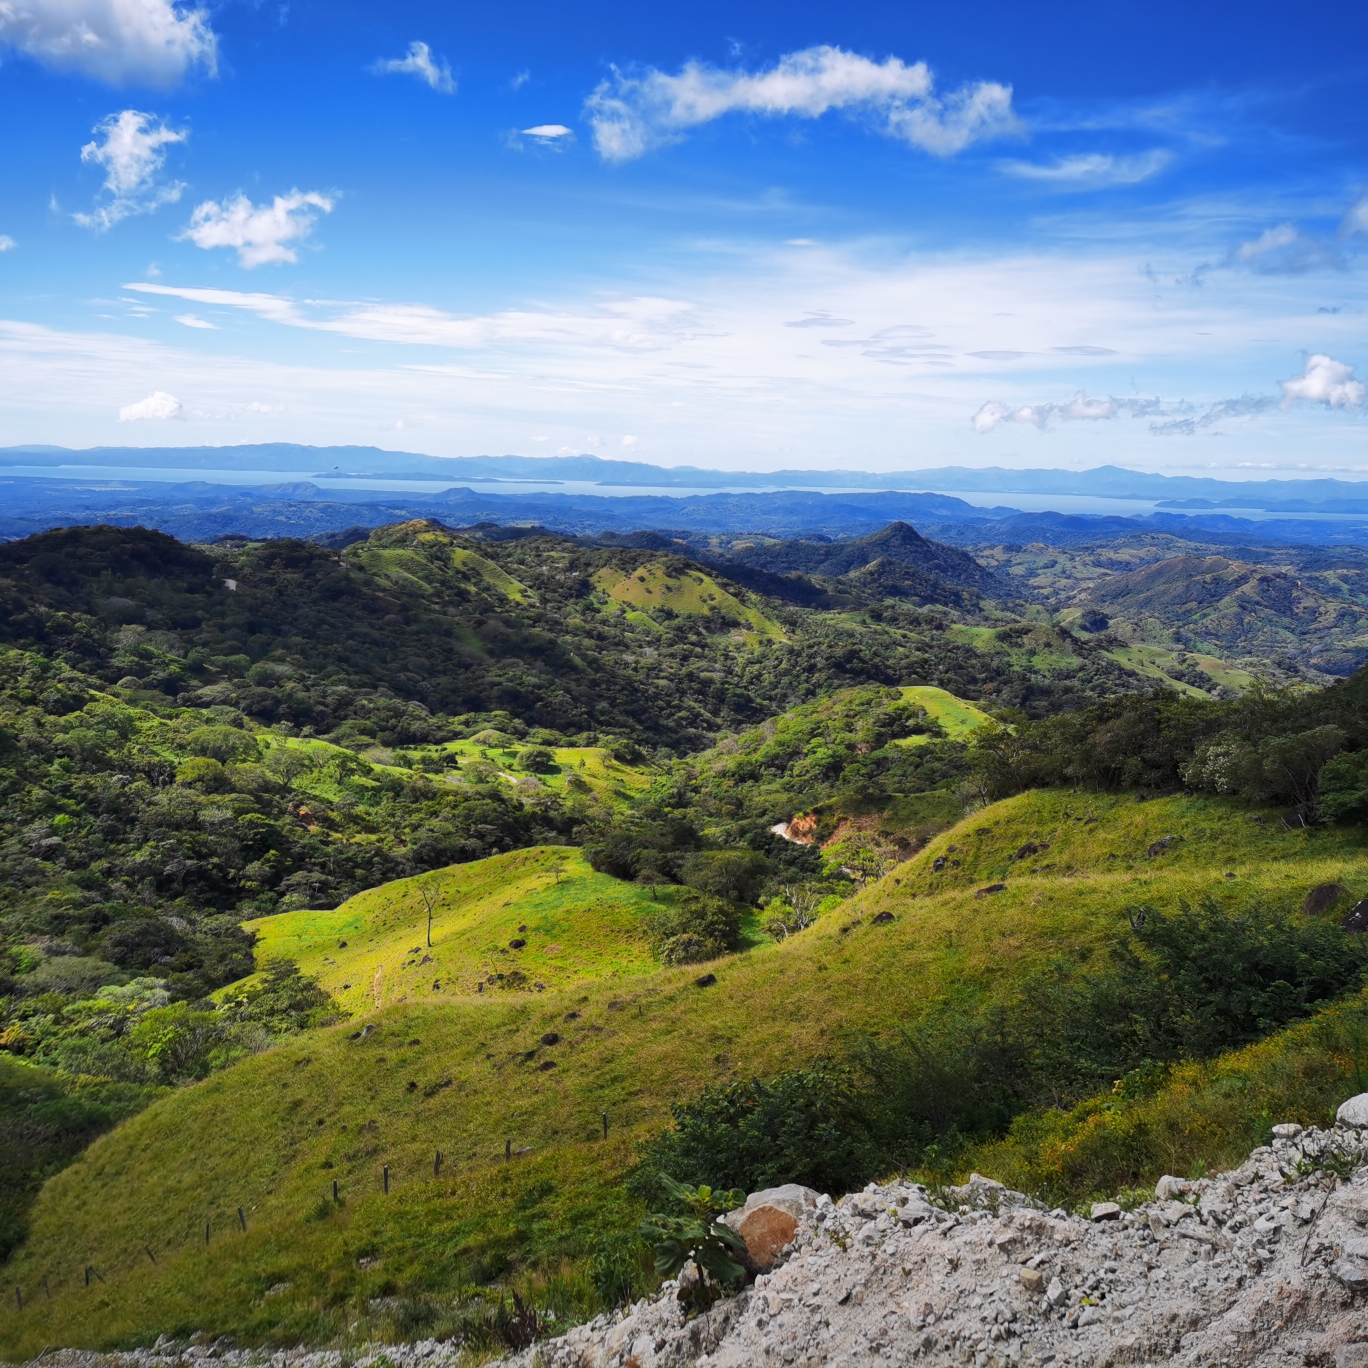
{"x": 373, "y": 950}
{"x": 956, "y": 716}
{"x": 684, "y": 592}
{"x": 467, "y": 1073}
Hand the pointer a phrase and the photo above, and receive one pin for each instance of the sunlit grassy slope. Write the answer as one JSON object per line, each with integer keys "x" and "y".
{"x": 466, "y": 1073}
{"x": 954, "y": 714}
{"x": 690, "y": 593}
{"x": 372, "y": 951}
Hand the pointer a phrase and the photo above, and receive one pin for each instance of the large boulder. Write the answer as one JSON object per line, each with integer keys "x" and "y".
{"x": 1354, "y": 1112}
{"x": 769, "y": 1221}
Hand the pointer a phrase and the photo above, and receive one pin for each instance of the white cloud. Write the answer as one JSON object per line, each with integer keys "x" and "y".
{"x": 148, "y": 42}
{"x": 132, "y": 153}
{"x": 1092, "y": 171}
{"x": 1325, "y": 381}
{"x": 7, "y": 243}
{"x": 1284, "y": 250}
{"x": 633, "y": 113}
{"x": 259, "y": 233}
{"x": 1040, "y": 416}
{"x": 158, "y": 406}
{"x": 419, "y": 62}
{"x": 1356, "y": 220}
{"x": 641, "y": 324}
{"x": 548, "y": 132}
{"x": 191, "y": 321}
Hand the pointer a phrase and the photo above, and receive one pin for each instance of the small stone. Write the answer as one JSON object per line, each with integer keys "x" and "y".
{"x": 1288, "y": 1130}
{"x": 1104, "y": 1211}
{"x": 516, "y": 943}
{"x": 882, "y": 919}
{"x": 1032, "y": 1279}
{"x": 705, "y": 980}
{"x": 551, "y": 1038}
{"x": 1351, "y": 1273}
{"x": 991, "y": 888}
{"x": 1352, "y": 1356}
{"x": 1322, "y": 898}
{"x": 1356, "y": 923}
{"x": 1354, "y": 1112}
{"x": 1055, "y": 1294}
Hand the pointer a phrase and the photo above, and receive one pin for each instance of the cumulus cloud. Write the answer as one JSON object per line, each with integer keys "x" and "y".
{"x": 158, "y": 406}
{"x": 261, "y": 234}
{"x": 147, "y": 42}
{"x": 418, "y": 61}
{"x": 1040, "y": 416}
{"x": 131, "y": 147}
{"x": 7, "y": 243}
{"x": 1284, "y": 250}
{"x": 1325, "y": 381}
{"x": 632, "y": 113}
{"x": 1092, "y": 171}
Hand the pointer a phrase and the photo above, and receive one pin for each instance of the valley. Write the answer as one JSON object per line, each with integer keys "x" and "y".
{"x": 489, "y": 877}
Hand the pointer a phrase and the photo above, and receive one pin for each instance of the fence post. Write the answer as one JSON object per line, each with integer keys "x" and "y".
{"x": 206, "y": 1234}
{"x": 150, "y": 1254}
{"x": 605, "y": 1125}
{"x": 242, "y": 1220}
{"x": 508, "y": 1150}
{"x": 334, "y": 1189}
{"x": 387, "y": 1178}
{"x": 437, "y": 1164}
{"x": 47, "y": 1291}
{"x": 19, "y": 1296}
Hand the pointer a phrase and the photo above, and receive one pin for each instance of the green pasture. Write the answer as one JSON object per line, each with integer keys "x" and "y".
{"x": 477, "y": 1075}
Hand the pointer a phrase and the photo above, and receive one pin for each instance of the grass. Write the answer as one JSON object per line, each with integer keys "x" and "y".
{"x": 689, "y": 593}
{"x": 465, "y": 1072}
{"x": 1154, "y": 662}
{"x": 372, "y": 951}
{"x": 407, "y": 569}
{"x": 954, "y": 714}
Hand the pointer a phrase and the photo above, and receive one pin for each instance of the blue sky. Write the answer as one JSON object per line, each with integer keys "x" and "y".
{"x": 742, "y": 236}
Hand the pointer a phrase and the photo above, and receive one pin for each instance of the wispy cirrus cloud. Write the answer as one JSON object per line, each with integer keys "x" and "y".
{"x": 1093, "y": 170}
{"x": 633, "y": 325}
{"x": 261, "y": 234}
{"x": 131, "y": 148}
{"x": 151, "y": 42}
{"x": 634, "y": 112}
{"x": 418, "y": 61}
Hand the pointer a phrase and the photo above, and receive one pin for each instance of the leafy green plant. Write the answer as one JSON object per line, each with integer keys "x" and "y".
{"x": 698, "y": 1236}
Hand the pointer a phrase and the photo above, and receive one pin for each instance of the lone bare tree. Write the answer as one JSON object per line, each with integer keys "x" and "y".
{"x": 429, "y": 896}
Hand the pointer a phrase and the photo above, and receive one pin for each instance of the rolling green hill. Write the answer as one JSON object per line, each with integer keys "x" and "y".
{"x": 469, "y": 1073}
{"x": 540, "y": 919}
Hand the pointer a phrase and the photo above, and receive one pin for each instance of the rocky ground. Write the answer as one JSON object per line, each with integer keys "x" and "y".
{"x": 1265, "y": 1265}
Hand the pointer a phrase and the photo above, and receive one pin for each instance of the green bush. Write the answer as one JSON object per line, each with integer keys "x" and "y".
{"x": 731, "y": 874}
{"x": 694, "y": 927}
{"x": 807, "y": 1126}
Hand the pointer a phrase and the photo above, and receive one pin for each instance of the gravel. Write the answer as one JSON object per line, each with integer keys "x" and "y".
{"x": 1265, "y": 1265}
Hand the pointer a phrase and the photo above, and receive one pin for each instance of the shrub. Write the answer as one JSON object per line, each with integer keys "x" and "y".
{"x": 694, "y": 927}
{"x": 536, "y": 760}
{"x": 806, "y": 1126}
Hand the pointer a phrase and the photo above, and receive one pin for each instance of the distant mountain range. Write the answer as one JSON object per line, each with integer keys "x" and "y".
{"x": 1109, "y": 482}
